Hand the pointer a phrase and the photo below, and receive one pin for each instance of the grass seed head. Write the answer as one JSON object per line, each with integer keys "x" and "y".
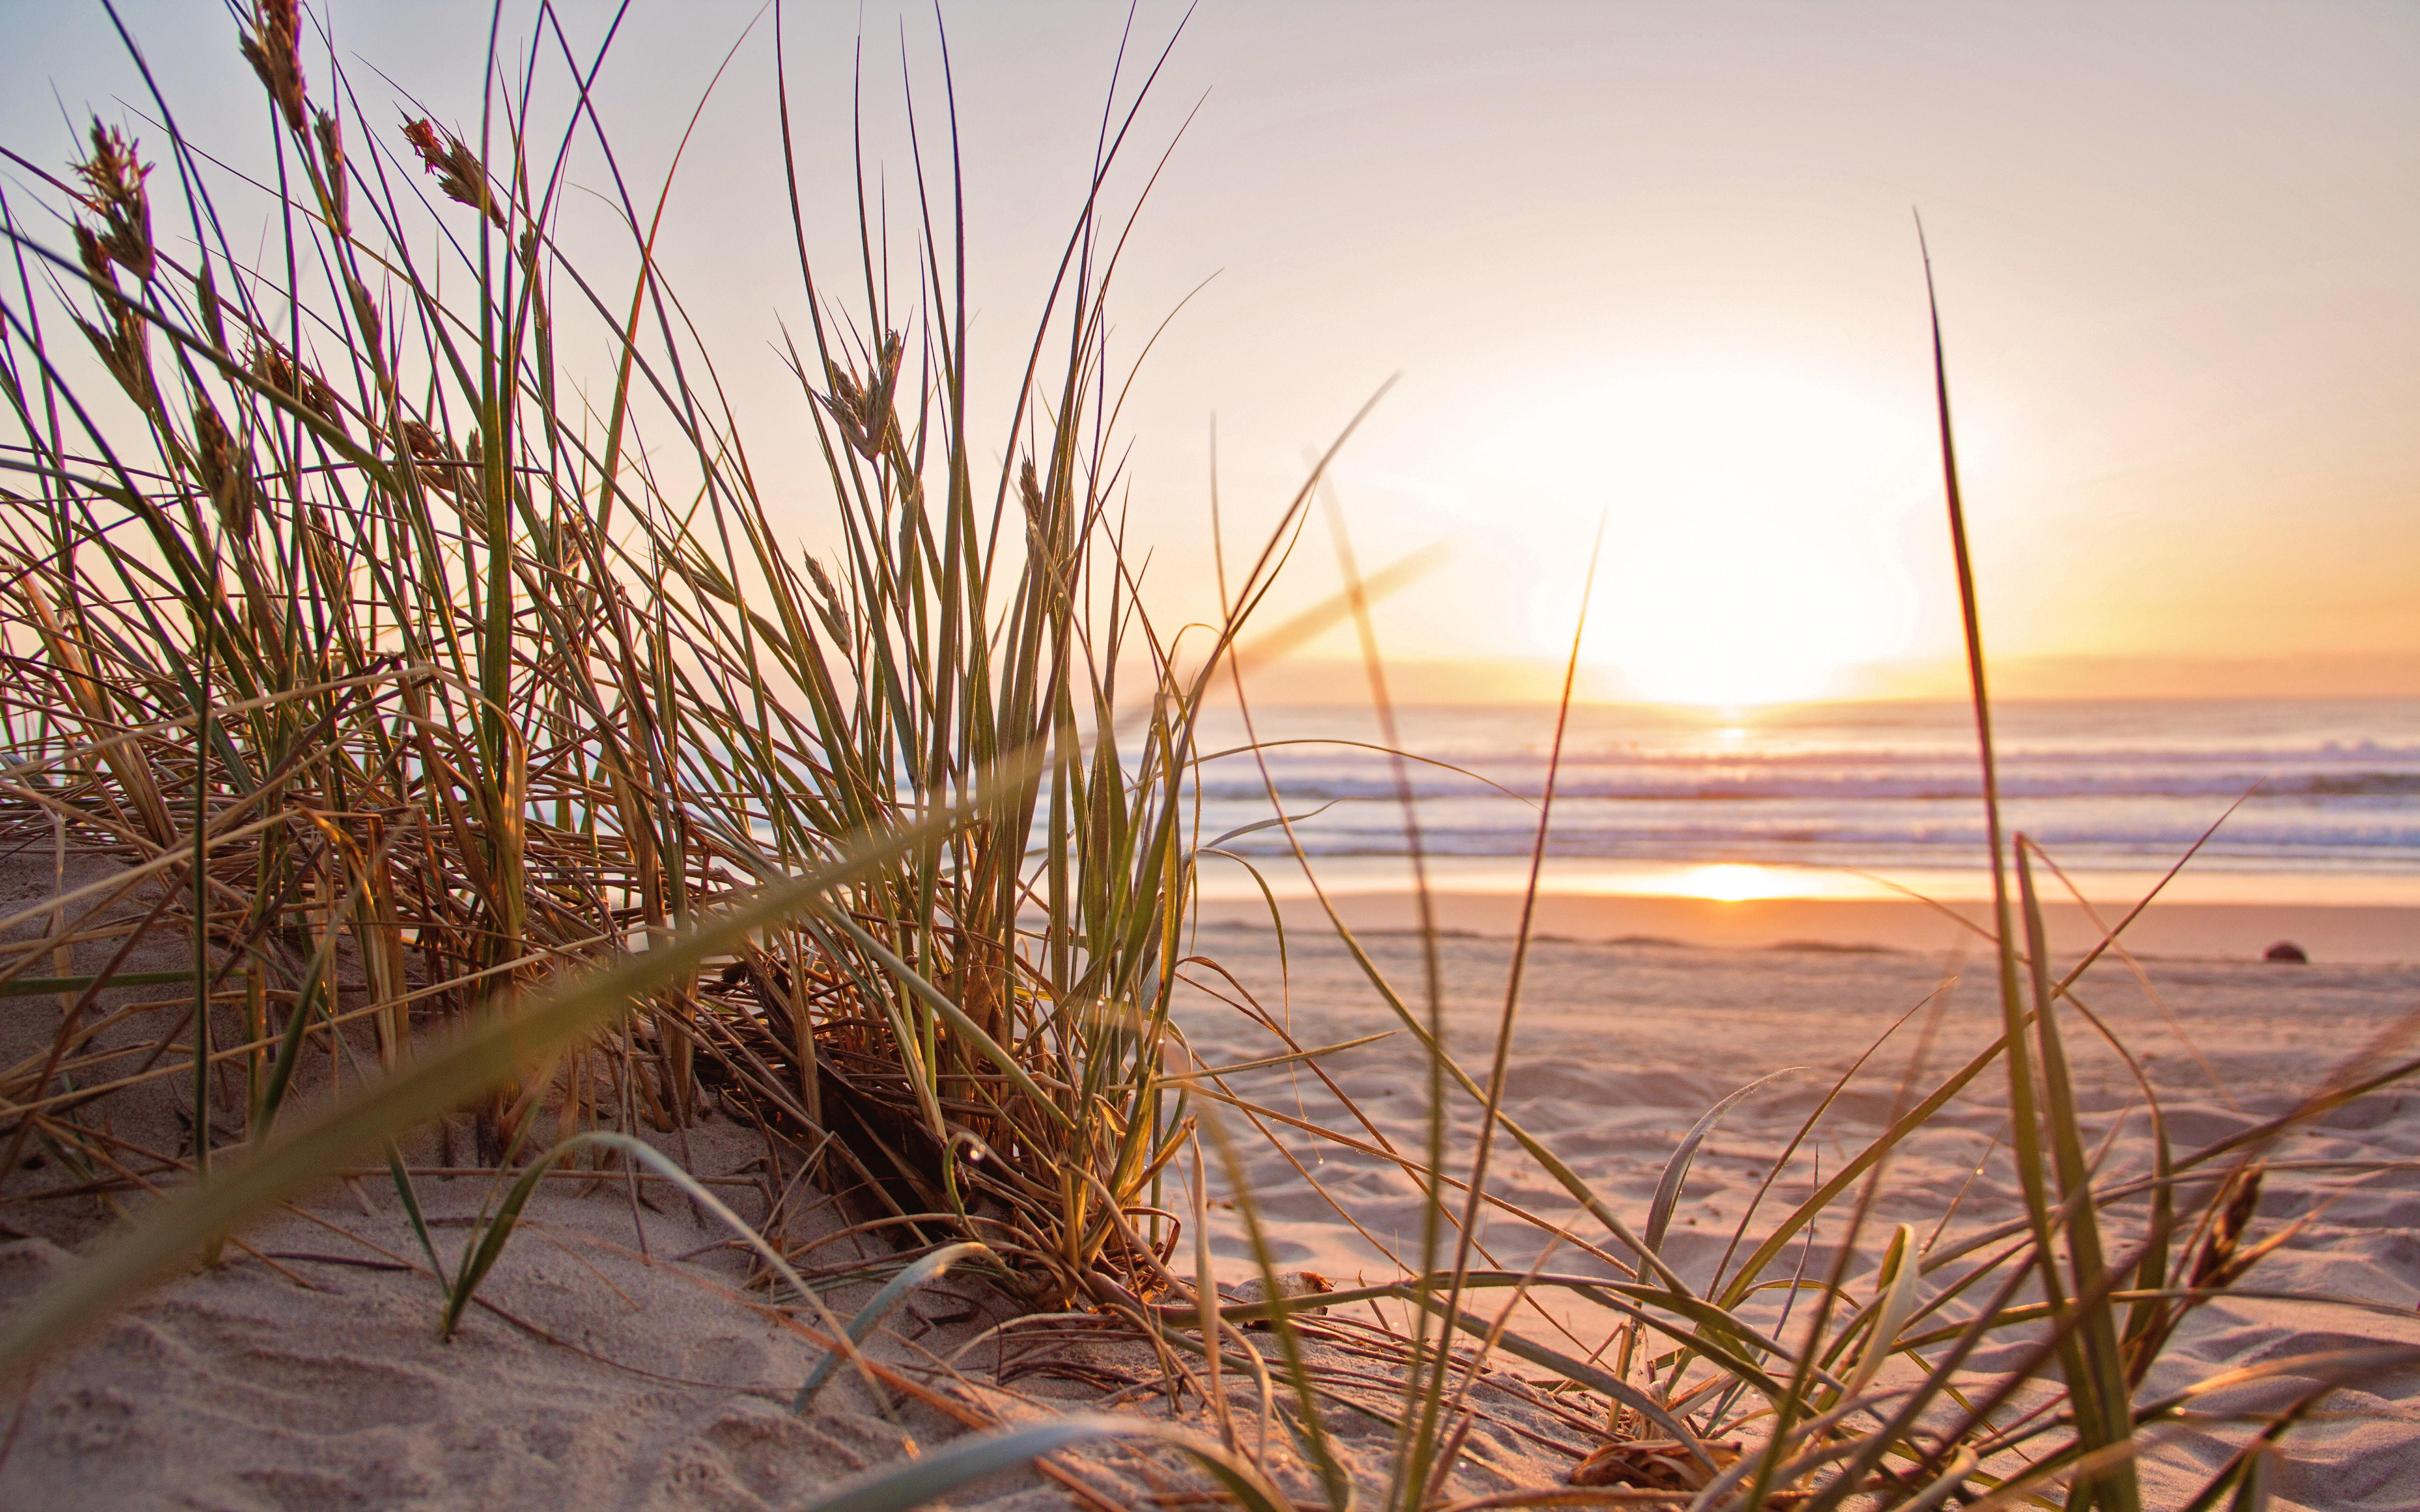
{"x": 125, "y": 350}
{"x": 95, "y": 259}
{"x": 822, "y": 581}
{"x": 846, "y": 402}
{"x": 2222, "y": 1257}
{"x": 436, "y": 459}
{"x": 1029, "y": 491}
{"x": 365, "y": 316}
{"x": 460, "y": 176}
{"x": 829, "y": 606}
{"x": 863, "y": 412}
{"x": 225, "y": 465}
{"x": 332, "y": 163}
{"x": 114, "y": 191}
{"x": 273, "y": 45}
{"x": 271, "y": 364}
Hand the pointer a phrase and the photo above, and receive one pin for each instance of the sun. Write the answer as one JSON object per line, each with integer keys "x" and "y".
{"x": 1759, "y": 529}
{"x": 1732, "y": 602}
{"x": 1744, "y": 632}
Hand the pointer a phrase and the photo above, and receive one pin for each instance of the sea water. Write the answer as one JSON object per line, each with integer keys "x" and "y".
{"x": 2312, "y": 800}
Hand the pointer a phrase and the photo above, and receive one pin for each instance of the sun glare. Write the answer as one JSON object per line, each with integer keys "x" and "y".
{"x": 1758, "y": 528}
{"x": 1730, "y": 882}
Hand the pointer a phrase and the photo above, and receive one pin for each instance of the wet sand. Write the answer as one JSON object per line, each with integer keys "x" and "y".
{"x": 2347, "y": 932}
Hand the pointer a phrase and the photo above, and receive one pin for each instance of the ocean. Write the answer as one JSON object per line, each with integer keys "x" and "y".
{"x": 1842, "y": 799}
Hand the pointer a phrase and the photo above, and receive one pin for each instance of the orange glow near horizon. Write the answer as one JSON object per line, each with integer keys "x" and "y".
{"x": 1726, "y": 882}
{"x": 1745, "y": 882}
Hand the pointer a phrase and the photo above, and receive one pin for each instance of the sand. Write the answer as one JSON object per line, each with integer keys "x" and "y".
{"x": 1620, "y": 1048}
{"x": 2361, "y": 934}
{"x": 311, "y": 1375}
{"x": 308, "y": 1373}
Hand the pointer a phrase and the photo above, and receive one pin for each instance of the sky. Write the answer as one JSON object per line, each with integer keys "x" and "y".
{"x": 1651, "y": 267}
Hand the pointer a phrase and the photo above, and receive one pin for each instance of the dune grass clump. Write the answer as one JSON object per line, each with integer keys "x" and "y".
{"x": 404, "y": 673}
{"x": 500, "y": 768}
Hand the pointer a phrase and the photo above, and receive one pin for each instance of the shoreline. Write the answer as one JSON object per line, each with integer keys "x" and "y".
{"x": 2330, "y": 933}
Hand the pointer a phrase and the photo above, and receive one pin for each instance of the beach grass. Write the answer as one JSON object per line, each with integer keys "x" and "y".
{"x": 508, "y": 774}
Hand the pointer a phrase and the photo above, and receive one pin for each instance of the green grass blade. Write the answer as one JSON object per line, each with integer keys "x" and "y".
{"x": 921, "y": 1481}
{"x": 1895, "y": 1284}
{"x": 1311, "y": 1431}
{"x": 489, "y": 1244}
{"x": 1676, "y": 1170}
{"x": 2099, "y": 1389}
{"x": 886, "y": 1302}
{"x": 410, "y": 1201}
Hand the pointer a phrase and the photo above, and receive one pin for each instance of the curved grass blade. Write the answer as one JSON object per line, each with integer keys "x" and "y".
{"x": 489, "y": 1246}
{"x": 2095, "y": 1371}
{"x": 886, "y": 1302}
{"x": 956, "y": 1018}
{"x": 1725, "y": 1342}
{"x": 921, "y": 1481}
{"x": 1676, "y": 1170}
{"x": 1365, "y": 745}
{"x": 1806, "y": 1211}
{"x": 1291, "y": 1057}
{"x": 491, "y": 1242}
{"x": 1272, "y": 823}
{"x": 1575, "y": 1370}
{"x": 409, "y": 1198}
{"x": 1895, "y": 1299}
{"x": 1311, "y": 1433}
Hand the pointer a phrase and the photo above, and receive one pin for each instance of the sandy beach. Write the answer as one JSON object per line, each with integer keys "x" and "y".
{"x": 617, "y": 1359}
{"x": 1620, "y": 1048}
